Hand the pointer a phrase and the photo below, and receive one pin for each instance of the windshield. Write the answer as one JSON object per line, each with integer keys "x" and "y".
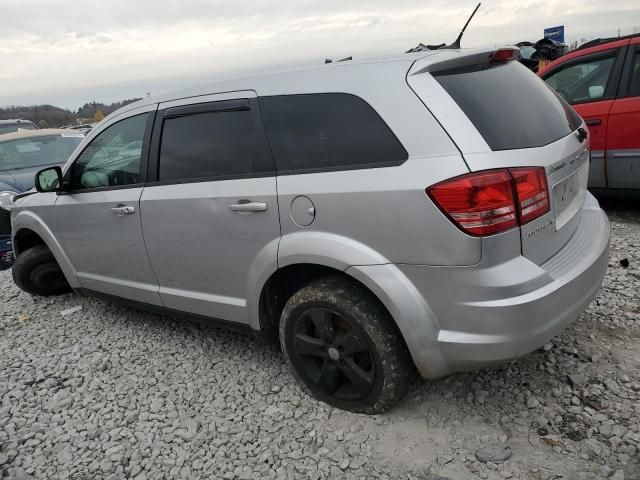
{"x": 14, "y": 127}
{"x": 37, "y": 151}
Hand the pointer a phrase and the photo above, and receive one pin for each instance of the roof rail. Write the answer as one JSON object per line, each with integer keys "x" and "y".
{"x": 602, "y": 41}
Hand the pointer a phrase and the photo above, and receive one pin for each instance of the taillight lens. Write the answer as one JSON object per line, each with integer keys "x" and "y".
{"x": 484, "y": 203}
{"x": 479, "y": 203}
{"x": 533, "y": 195}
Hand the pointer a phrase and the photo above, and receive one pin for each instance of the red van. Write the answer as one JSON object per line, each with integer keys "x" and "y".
{"x": 601, "y": 80}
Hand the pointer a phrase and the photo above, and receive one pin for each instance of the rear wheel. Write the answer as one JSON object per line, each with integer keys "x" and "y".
{"x": 36, "y": 271}
{"x": 343, "y": 347}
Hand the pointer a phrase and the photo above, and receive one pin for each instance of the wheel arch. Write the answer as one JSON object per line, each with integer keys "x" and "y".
{"x": 30, "y": 230}
{"x": 24, "y": 239}
{"x": 304, "y": 253}
{"x": 280, "y": 286}
{"x": 311, "y": 254}
{"x": 406, "y": 307}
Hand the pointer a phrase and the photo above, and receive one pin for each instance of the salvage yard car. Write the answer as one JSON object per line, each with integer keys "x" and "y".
{"x": 601, "y": 80}
{"x": 428, "y": 209}
{"x": 22, "y": 154}
{"x": 10, "y": 126}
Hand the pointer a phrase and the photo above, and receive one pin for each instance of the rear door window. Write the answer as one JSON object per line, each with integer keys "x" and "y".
{"x": 328, "y": 131}
{"x": 217, "y": 140}
{"x": 583, "y": 80}
{"x": 634, "y": 80}
{"x": 510, "y": 106}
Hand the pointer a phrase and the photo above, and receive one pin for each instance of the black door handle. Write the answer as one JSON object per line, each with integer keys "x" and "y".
{"x": 593, "y": 122}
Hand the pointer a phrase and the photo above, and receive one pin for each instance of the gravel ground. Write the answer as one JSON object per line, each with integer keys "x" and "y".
{"x": 109, "y": 392}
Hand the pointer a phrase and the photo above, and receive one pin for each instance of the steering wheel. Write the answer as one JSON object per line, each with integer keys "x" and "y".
{"x": 122, "y": 177}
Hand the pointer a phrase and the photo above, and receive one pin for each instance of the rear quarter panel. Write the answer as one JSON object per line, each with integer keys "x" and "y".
{"x": 384, "y": 210}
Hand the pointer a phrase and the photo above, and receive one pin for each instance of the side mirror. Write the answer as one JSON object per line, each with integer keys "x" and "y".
{"x": 596, "y": 91}
{"x": 49, "y": 180}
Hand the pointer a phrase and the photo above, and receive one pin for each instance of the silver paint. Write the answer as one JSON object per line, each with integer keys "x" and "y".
{"x": 459, "y": 301}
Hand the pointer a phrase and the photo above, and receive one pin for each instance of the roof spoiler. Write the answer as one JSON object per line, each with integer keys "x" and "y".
{"x": 456, "y": 62}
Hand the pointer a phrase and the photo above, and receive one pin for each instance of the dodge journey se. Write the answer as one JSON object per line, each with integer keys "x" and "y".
{"x": 428, "y": 210}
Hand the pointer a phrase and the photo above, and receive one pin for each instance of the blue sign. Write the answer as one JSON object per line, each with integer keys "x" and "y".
{"x": 555, "y": 33}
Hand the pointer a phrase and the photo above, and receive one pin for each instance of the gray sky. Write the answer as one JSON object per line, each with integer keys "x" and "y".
{"x": 69, "y": 53}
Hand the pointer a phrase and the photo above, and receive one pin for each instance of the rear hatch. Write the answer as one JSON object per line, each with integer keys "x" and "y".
{"x": 501, "y": 115}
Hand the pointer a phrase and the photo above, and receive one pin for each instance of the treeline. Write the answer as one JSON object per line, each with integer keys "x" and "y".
{"x": 89, "y": 110}
{"x": 46, "y": 116}
{"x": 42, "y": 115}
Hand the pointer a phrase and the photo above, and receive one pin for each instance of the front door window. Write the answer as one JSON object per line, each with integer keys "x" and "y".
{"x": 112, "y": 159}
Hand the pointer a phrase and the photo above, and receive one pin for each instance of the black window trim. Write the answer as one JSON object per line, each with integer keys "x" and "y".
{"x": 625, "y": 77}
{"x": 235, "y": 105}
{"x": 144, "y": 160}
{"x": 243, "y": 104}
{"x": 340, "y": 168}
{"x": 232, "y": 105}
{"x": 618, "y": 54}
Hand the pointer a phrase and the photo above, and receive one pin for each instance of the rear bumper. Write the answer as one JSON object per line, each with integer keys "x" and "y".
{"x": 486, "y": 314}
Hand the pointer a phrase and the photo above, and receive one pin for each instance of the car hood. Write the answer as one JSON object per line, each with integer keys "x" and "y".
{"x": 21, "y": 179}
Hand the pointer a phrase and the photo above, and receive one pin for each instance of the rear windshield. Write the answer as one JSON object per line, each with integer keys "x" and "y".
{"x": 510, "y": 106}
{"x": 14, "y": 127}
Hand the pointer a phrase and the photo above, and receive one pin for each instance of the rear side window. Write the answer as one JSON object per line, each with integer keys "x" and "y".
{"x": 510, "y": 106}
{"x": 328, "y": 131}
{"x": 219, "y": 143}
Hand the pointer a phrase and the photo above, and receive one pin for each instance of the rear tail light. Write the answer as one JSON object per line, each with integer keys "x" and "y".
{"x": 479, "y": 203}
{"x": 493, "y": 201}
{"x": 532, "y": 192}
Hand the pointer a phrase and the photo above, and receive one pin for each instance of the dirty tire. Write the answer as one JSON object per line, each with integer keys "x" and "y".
{"x": 350, "y": 304}
{"x": 36, "y": 271}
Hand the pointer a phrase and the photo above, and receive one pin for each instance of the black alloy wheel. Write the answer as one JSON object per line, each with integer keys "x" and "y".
{"x": 334, "y": 354}
{"x": 343, "y": 347}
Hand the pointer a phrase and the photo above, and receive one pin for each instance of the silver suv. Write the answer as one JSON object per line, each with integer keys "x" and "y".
{"x": 426, "y": 210}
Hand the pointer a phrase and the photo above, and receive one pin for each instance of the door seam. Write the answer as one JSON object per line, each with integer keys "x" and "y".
{"x": 144, "y": 243}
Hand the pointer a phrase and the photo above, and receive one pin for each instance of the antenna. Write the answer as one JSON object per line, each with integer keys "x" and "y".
{"x": 456, "y": 44}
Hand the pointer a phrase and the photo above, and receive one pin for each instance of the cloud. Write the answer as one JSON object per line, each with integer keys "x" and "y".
{"x": 93, "y": 47}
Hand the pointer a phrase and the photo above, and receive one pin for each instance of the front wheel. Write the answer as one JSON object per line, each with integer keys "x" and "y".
{"x": 343, "y": 347}
{"x": 36, "y": 271}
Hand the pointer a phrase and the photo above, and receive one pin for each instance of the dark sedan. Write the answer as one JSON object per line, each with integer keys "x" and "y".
{"x": 10, "y": 126}
{"x": 22, "y": 154}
